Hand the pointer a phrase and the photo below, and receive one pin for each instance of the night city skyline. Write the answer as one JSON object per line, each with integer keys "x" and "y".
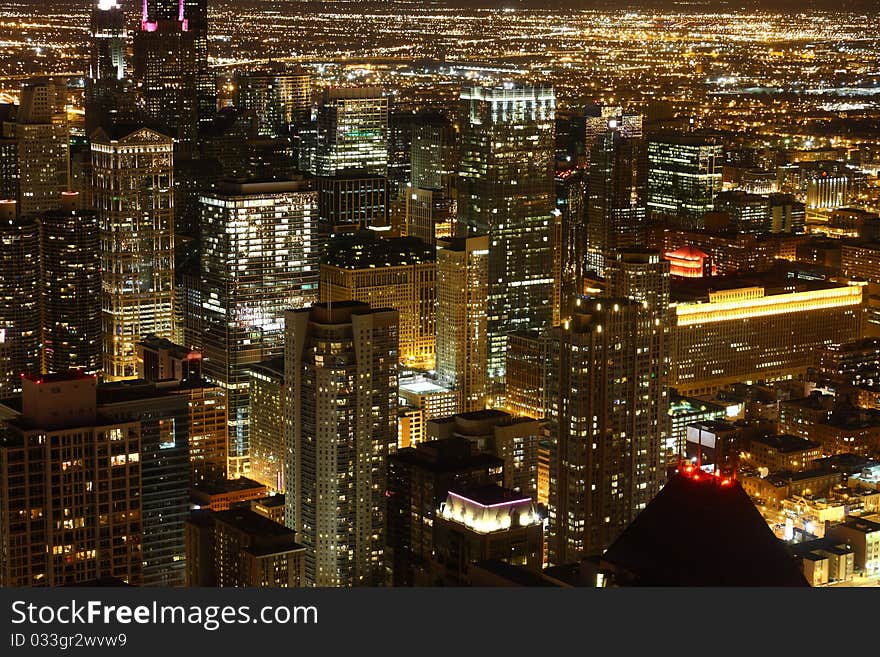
{"x": 451, "y": 294}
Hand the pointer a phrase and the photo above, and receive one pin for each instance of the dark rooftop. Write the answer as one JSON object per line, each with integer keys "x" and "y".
{"x": 785, "y": 443}
{"x": 700, "y": 533}
{"x": 366, "y": 250}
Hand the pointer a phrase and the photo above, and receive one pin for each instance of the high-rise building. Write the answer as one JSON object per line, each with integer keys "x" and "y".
{"x": 259, "y": 259}
{"x": 19, "y": 298}
{"x": 70, "y": 268}
{"x": 351, "y": 157}
{"x": 279, "y": 98}
{"x": 398, "y": 273}
{"x": 163, "y": 362}
{"x": 748, "y": 213}
{"x": 352, "y": 200}
{"x": 569, "y": 240}
{"x": 132, "y": 190}
{"x": 616, "y": 205}
{"x": 43, "y": 136}
{"x": 512, "y": 439}
{"x": 163, "y": 416}
{"x": 9, "y": 175}
{"x": 756, "y": 328}
{"x": 266, "y": 430}
{"x": 429, "y": 198}
{"x": 352, "y": 131}
{"x": 609, "y": 403}
{"x": 505, "y": 167}
{"x": 462, "y": 297}
{"x": 684, "y": 175}
{"x": 241, "y": 548}
{"x": 419, "y": 479}
{"x": 171, "y": 67}
{"x": 70, "y": 482}
{"x": 108, "y": 46}
{"x": 341, "y": 368}
{"x": 528, "y": 357}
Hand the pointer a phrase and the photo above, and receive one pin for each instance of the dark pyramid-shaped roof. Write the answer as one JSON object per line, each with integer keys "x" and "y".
{"x": 700, "y": 532}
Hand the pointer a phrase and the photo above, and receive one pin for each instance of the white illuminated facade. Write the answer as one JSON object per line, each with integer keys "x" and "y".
{"x": 259, "y": 259}
{"x": 133, "y": 191}
{"x": 485, "y": 518}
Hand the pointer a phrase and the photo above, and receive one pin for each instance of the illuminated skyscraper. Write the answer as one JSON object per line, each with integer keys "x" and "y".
{"x": 267, "y": 423}
{"x": 260, "y": 257}
{"x": 43, "y": 135}
{"x": 609, "y": 402}
{"x": 19, "y": 298}
{"x": 106, "y": 89}
{"x": 171, "y": 66}
{"x": 340, "y": 426}
{"x": 279, "y": 98}
{"x": 462, "y": 297}
{"x": 107, "y": 56}
{"x": 353, "y": 131}
{"x": 82, "y": 472}
{"x": 684, "y": 175}
{"x": 398, "y": 273}
{"x": 70, "y": 266}
{"x": 133, "y": 193}
{"x": 506, "y": 162}
{"x": 351, "y": 156}
{"x": 419, "y": 479}
{"x": 616, "y": 206}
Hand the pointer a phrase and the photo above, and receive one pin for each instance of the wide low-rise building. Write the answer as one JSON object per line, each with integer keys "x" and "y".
{"x": 756, "y": 327}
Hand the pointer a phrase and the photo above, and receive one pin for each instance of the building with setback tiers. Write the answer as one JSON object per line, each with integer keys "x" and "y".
{"x": 399, "y": 273}
{"x": 506, "y": 191}
{"x": 340, "y": 414}
{"x": 608, "y": 418}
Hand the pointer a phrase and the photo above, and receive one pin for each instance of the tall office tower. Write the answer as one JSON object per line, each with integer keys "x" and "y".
{"x": 351, "y": 157}
{"x": 352, "y": 131}
{"x": 609, "y": 403}
{"x": 779, "y": 325}
{"x": 352, "y": 200}
{"x": 70, "y": 281}
{"x": 71, "y": 489}
{"x": 642, "y": 275}
{"x": 19, "y": 298}
{"x": 430, "y": 205}
{"x": 419, "y": 479}
{"x": 596, "y": 124}
{"x": 163, "y": 416}
{"x": 170, "y": 65}
{"x": 398, "y": 273}
{"x": 616, "y": 209}
{"x": 107, "y": 55}
{"x": 401, "y": 124}
{"x": 267, "y": 423}
{"x": 43, "y": 135}
{"x": 279, "y": 97}
{"x": 684, "y": 176}
{"x": 163, "y": 362}
{"x": 506, "y": 165}
{"x": 260, "y": 258}
{"x": 107, "y": 66}
{"x": 569, "y": 240}
{"x": 462, "y": 298}
{"x": 528, "y": 356}
{"x": 340, "y": 427}
{"x": 132, "y": 190}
